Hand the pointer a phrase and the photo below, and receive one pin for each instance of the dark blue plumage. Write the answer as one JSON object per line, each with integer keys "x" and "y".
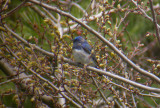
{"x": 81, "y": 51}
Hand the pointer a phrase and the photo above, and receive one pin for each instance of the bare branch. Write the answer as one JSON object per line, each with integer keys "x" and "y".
{"x": 137, "y": 68}
{"x": 40, "y": 50}
{"x": 101, "y": 93}
{"x": 144, "y": 13}
{"x": 48, "y": 82}
{"x": 78, "y": 6}
{"x": 133, "y": 99}
{"x": 14, "y": 10}
{"x": 53, "y": 20}
{"x": 88, "y": 68}
{"x": 155, "y": 21}
{"x": 25, "y": 82}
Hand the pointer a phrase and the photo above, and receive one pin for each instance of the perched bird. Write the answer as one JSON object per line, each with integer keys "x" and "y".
{"x": 81, "y": 51}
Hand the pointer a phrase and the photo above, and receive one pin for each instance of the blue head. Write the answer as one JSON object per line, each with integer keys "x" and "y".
{"x": 78, "y": 42}
{"x": 78, "y": 39}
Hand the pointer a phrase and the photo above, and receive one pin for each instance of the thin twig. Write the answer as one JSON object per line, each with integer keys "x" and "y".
{"x": 133, "y": 99}
{"x": 14, "y": 10}
{"x": 88, "y": 68}
{"x": 155, "y": 21}
{"x": 14, "y": 79}
{"x": 25, "y": 83}
{"x": 53, "y": 20}
{"x": 101, "y": 93}
{"x": 143, "y": 12}
{"x": 104, "y": 40}
{"x": 65, "y": 87}
{"x": 48, "y": 82}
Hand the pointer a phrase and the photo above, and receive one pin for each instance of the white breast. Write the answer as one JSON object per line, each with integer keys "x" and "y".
{"x": 82, "y": 57}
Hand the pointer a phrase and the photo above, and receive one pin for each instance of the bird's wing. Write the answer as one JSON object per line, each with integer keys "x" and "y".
{"x": 86, "y": 47}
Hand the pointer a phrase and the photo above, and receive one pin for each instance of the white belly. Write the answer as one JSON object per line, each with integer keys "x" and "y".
{"x": 82, "y": 57}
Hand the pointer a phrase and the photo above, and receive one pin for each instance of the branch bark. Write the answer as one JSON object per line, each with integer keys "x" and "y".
{"x": 88, "y": 68}
{"x": 155, "y": 21}
{"x": 25, "y": 83}
{"x": 105, "y": 41}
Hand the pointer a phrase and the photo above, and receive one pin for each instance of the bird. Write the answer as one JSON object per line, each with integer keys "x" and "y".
{"x": 81, "y": 51}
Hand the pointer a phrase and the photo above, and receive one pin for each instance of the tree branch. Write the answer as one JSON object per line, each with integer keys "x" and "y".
{"x": 155, "y": 21}
{"x": 137, "y": 68}
{"x": 88, "y": 68}
{"x": 25, "y": 82}
{"x": 14, "y": 10}
{"x": 144, "y": 13}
